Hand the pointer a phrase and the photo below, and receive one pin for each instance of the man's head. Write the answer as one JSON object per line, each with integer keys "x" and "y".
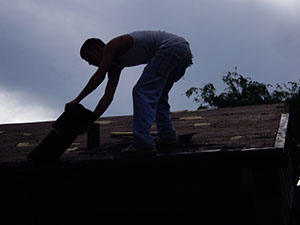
{"x": 91, "y": 51}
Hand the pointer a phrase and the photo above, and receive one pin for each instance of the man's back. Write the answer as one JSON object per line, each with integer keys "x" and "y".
{"x": 146, "y": 44}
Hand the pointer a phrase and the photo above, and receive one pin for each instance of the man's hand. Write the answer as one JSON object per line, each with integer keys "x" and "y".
{"x": 97, "y": 114}
{"x": 71, "y": 104}
{"x": 92, "y": 117}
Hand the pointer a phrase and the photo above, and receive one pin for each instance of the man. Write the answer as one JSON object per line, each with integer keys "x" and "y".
{"x": 167, "y": 56}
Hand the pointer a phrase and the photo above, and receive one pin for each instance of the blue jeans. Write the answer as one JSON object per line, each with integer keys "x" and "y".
{"x": 150, "y": 94}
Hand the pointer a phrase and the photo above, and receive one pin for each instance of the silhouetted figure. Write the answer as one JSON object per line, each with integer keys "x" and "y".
{"x": 167, "y": 56}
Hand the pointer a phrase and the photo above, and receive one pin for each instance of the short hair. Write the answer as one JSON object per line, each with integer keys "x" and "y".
{"x": 91, "y": 44}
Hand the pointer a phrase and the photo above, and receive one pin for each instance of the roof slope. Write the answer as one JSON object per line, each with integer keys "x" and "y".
{"x": 222, "y": 129}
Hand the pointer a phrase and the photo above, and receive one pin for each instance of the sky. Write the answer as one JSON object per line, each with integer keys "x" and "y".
{"x": 41, "y": 70}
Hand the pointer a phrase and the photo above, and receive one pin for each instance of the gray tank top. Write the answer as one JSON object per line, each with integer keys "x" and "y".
{"x": 146, "y": 44}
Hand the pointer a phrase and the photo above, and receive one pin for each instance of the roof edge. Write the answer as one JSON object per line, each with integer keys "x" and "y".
{"x": 282, "y": 130}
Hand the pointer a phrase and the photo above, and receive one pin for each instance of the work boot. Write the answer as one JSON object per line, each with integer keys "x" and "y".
{"x": 132, "y": 151}
{"x": 166, "y": 145}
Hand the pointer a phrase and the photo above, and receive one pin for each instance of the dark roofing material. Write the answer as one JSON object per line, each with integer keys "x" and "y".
{"x": 248, "y": 128}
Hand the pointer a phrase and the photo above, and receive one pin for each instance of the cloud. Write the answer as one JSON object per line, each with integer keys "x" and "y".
{"x": 40, "y": 42}
{"x": 18, "y": 107}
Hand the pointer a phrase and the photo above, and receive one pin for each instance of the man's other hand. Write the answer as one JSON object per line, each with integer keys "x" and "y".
{"x": 70, "y": 105}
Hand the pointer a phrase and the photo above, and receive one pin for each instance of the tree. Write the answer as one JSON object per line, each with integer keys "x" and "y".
{"x": 242, "y": 91}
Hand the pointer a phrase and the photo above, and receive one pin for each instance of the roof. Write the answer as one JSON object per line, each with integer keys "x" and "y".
{"x": 232, "y": 129}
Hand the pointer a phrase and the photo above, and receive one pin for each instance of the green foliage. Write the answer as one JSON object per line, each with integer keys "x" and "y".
{"x": 242, "y": 91}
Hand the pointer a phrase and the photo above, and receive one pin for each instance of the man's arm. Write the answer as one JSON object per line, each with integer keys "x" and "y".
{"x": 93, "y": 83}
{"x": 99, "y": 76}
{"x": 112, "y": 83}
{"x": 114, "y": 47}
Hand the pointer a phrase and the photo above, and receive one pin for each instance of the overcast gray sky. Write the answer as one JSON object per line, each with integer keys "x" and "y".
{"x": 41, "y": 70}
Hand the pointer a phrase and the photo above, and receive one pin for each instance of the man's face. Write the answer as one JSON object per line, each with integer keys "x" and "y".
{"x": 93, "y": 57}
